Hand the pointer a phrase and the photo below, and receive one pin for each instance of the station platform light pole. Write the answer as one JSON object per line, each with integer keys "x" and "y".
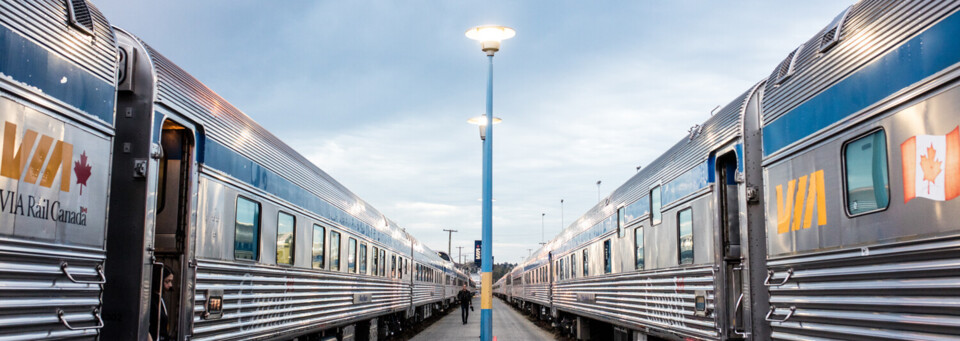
{"x": 489, "y": 38}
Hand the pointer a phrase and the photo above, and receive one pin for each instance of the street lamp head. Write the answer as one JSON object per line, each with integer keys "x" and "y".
{"x": 490, "y": 36}
{"x": 481, "y": 121}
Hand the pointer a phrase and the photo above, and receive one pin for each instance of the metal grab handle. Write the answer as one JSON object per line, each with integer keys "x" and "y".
{"x": 103, "y": 279}
{"x": 770, "y": 275}
{"x": 63, "y": 320}
{"x": 789, "y": 315}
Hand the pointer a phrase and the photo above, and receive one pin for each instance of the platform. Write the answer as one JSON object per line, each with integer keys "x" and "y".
{"x": 508, "y": 325}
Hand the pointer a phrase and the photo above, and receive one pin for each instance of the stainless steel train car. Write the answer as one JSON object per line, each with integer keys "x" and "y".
{"x": 818, "y": 205}
{"x": 116, "y": 164}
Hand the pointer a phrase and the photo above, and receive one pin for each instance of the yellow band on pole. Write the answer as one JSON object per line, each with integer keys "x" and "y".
{"x": 486, "y": 286}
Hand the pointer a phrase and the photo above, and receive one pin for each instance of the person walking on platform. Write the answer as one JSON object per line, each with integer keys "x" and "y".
{"x": 466, "y": 302}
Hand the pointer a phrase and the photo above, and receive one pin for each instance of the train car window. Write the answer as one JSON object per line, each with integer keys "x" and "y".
{"x": 655, "y": 205}
{"x": 607, "y": 263}
{"x": 363, "y": 259}
{"x": 685, "y": 235}
{"x": 286, "y": 237}
{"x": 375, "y": 264}
{"x": 563, "y": 269}
{"x": 865, "y": 160}
{"x": 334, "y": 250}
{"x": 383, "y": 263}
{"x": 246, "y": 243}
{"x": 393, "y": 266}
{"x": 586, "y": 263}
{"x": 621, "y": 221}
{"x": 351, "y": 255}
{"x": 573, "y": 266}
{"x": 638, "y": 246}
{"x": 319, "y": 233}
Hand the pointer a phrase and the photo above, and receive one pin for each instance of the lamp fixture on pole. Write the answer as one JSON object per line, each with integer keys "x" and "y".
{"x": 489, "y": 37}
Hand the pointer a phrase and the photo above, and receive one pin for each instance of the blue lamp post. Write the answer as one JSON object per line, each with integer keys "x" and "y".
{"x": 489, "y": 38}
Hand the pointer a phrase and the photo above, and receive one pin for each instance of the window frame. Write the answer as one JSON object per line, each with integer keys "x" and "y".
{"x": 362, "y": 259}
{"x": 323, "y": 249}
{"x": 586, "y": 260}
{"x": 693, "y": 248}
{"x": 607, "y": 257}
{"x": 352, "y": 242}
{"x": 639, "y": 259}
{"x": 337, "y": 253}
{"x": 843, "y": 172}
{"x": 258, "y": 220}
{"x": 293, "y": 242}
{"x": 656, "y": 216}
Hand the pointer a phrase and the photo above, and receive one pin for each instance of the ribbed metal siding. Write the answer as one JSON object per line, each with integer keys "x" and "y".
{"x": 424, "y": 292}
{"x": 45, "y": 22}
{"x": 662, "y": 300}
{"x": 901, "y": 292}
{"x": 229, "y": 126}
{"x": 33, "y": 288}
{"x": 537, "y": 293}
{"x": 872, "y": 28}
{"x": 678, "y": 159}
{"x": 264, "y": 302}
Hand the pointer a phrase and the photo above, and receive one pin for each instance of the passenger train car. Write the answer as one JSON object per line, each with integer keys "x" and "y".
{"x": 117, "y": 163}
{"x": 817, "y": 205}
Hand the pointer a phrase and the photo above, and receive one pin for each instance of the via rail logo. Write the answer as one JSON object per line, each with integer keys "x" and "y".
{"x": 16, "y": 161}
{"x": 815, "y": 194}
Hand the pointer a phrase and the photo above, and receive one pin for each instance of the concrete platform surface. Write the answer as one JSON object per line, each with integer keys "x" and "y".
{"x": 508, "y": 325}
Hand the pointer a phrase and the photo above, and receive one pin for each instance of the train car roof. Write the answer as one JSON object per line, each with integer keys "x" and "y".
{"x": 233, "y": 143}
{"x": 861, "y": 56}
{"x": 688, "y": 155}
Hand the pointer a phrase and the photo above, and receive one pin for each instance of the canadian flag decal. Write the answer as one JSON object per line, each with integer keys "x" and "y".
{"x": 931, "y": 166}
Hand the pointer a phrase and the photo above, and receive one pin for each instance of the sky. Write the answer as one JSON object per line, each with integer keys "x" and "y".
{"x": 377, "y": 93}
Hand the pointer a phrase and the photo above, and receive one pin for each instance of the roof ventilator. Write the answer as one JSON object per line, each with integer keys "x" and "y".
{"x": 788, "y": 65}
{"x": 833, "y": 31}
{"x": 79, "y": 16}
{"x": 694, "y": 131}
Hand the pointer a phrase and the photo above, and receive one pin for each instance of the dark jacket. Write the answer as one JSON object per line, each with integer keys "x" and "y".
{"x": 465, "y": 297}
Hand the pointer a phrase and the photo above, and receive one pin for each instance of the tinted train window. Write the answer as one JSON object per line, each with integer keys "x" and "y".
{"x": 375, "y": 264}
{"x": 607, "y": 264}
{"x": 563, "y": 269}
{"x": 655, "y": 205}
{"x": 319, "y": 233}
{"x": 363, "y": 258}
{"x": 246, "y": 240}
{"x": 286, "y": 224}
{"x": 586, "y": 263}
{"x": 685, "y": 235}
{"x": 334, "y": 250}
{"x": 383, "y": 262}
{"x": 621, "y": 221}
{"x": 638, "y": 245}
{"x": 393, "y": 266}
{"x": 351, "y": 255}
{"x": 866, "y": 173}
{"x": 573, "y": 265}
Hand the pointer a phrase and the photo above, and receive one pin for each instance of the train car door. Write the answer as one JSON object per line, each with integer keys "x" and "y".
{"x": 175, "y": 199}
{"x": 730, "y": 280}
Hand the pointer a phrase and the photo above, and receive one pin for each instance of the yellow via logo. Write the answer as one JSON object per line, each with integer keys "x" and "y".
{"x": 14, "y": 158}
{"x": 794, "y": 207}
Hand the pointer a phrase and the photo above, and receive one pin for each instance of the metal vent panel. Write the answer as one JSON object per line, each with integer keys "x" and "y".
{"x": 871, "y": 29}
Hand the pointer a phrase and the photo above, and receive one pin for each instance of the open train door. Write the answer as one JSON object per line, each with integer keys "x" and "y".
{"x": 730, "y": 301}
{"x": 175, "y": 199}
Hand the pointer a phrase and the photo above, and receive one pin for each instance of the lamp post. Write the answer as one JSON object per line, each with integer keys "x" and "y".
{"x": 598, "y": 190}
{"x": 542, "y": 215}
{"x": 489, "y": 38}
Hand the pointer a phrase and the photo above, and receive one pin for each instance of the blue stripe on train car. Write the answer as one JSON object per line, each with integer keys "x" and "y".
{"x": 922, "y": 56}
{"x": 26, "y": 62}
{"x": 218, "y": 156}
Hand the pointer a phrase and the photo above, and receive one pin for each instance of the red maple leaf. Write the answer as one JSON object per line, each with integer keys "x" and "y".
{"x": 930, "y": 166}
{"x": 83, "y": 170}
